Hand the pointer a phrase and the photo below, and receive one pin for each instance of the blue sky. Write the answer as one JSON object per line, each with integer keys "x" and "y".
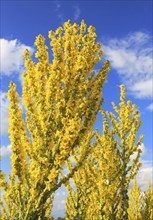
{"x": 125, "y": 30}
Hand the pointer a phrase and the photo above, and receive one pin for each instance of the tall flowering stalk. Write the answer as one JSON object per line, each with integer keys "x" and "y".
{"x": 135, "y": 202}
{"x": 126, "y": 124}
{"x": 102, "y": 183}
{"x": 140, "y": 203}
{"x": 61, "y": 98}
{"x": 147, "y": 211}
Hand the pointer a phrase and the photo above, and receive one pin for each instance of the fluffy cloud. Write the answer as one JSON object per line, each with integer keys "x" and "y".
{"x": 4, "y": 104}
{"x": 131, "y": 57}
{"x": 5, "y": 151}
{"x": 143, "y": 89}
{"x": 59, "y": 203}
{"x": 12, "y": 56}
{"x": 145, "y": 174}
{"x": 150, "y": 107}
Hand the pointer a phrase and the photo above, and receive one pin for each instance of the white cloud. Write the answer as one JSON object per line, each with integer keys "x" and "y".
{"x": 59, "y": 202}
{"x": 11, "y": 57}
{"x": 145, "y": 174}
{"x": 5, "y": 151}
{"x": 143, "y": 89}
{"x": 4, "y": 104}
{"x": 131, "y": 57}
{"x": 150, "y": 107}
{"x": 77, "y": 12}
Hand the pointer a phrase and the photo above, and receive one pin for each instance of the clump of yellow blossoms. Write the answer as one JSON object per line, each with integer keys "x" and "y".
{"x": 61, "y": 98}
{"x": 102, "y": 183}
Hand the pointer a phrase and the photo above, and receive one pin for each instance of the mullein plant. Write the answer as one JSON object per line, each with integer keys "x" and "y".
{"x": 135, "y": 203}
{"x": 109, "y": 168}
{"x": 95, "y": 182}
{"x": 140, "y": 203}
{"x": 147, "y": 211}
{"x": 61, "y": 99}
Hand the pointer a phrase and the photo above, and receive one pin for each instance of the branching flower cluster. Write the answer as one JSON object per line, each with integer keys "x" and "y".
{"x": 62, "y": 96}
